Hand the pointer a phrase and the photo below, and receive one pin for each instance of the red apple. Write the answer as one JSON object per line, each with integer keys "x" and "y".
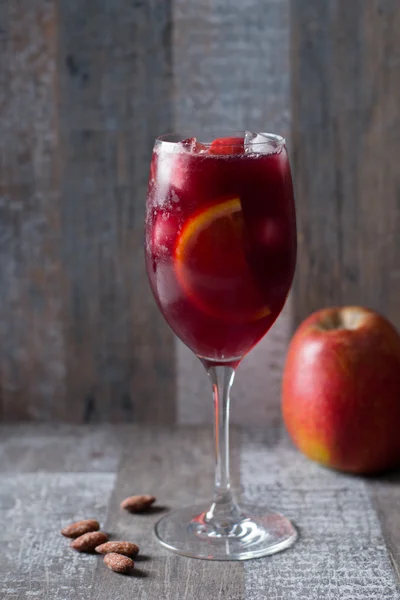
{"x": 341, "y": 390}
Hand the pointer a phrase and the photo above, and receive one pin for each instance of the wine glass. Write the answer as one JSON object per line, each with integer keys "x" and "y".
{"x": 220, "y": 253}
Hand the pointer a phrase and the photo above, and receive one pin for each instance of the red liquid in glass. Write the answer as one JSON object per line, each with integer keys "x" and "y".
{"x": 220, "y": 244}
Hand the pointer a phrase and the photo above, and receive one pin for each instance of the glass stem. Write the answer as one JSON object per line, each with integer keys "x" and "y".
{"x": 224, "y": 511}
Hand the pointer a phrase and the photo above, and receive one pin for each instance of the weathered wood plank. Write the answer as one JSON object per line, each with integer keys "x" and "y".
{"x": 31, "y": 281}
{"x": 84, "y": 88}
{"x": 177, "y": 467}
{"x": 385, "y": 492}
{"x": 63, "y": 448}
{"x": 35, "y": 560}
{"x": 240, "y": 81}
{"x": 346, "y": 134}
{"x": 116, "y": 97}
{"x": 49, "y": 477}
{"x": 341, "y": 552}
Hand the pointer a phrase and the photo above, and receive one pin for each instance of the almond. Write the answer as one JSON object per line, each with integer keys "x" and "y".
{"x": 125, "y": 548}
{"x": 77, "y": 529}
{"x": 89, "y": 541}
{"x": 118, "y": 563}
{"x": 136, "y": 504}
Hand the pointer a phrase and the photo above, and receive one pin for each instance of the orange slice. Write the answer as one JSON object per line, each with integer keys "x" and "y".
{"x": 212, "y": 268}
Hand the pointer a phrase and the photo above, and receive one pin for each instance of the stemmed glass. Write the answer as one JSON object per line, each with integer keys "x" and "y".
{"x": 220, "y": 253}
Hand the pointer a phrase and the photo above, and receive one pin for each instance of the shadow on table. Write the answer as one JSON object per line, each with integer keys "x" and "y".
{"x": 387, "y": 477}
{"x": 142, "y": 558}
{"x": 139, "y": 573}
{"x": 155, "y": 510}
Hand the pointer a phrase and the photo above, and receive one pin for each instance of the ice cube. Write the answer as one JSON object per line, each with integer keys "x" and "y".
{"x": 193, "y": 146}
{"x": 167, "y": 160}
{"x": 189, "y": 144}
{"x": 260, "y": 143}
{"x": 170, "y": 173}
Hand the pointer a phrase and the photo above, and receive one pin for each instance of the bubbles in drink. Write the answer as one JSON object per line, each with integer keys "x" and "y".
{"x": 174, "y": 197}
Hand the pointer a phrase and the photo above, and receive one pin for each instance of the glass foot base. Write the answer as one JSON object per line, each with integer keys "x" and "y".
{"x": 256, "y": 533}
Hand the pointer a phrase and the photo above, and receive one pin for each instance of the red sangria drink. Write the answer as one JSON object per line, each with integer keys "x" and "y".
{"x": 220, "y": 255}
{"x": 221, "y": 242}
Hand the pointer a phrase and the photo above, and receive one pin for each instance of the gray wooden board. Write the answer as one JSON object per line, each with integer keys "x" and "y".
{"x": 85, "y": 86}
{"x": 341, "y": 552}
{"x": 346, "y": 137}
{"x": 62, "y": 448}
{"x": 31, "y": 353}
{"x": 240, "y": 51}
{"x": 52, "y": 475}
{"x": 35, "y": 560}
{"x": 115, "y": 81}
{"x": 385, "y": 493}
{"x": 178, "y": 468}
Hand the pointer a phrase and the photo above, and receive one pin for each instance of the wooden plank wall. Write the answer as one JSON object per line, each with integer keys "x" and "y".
{"x": 241, "y": 81}
{"x": 85, "y": 85}
{"x": 346, "y": 136}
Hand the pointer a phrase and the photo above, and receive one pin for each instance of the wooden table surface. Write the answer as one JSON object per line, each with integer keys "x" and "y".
{"x": 349, "y": 545}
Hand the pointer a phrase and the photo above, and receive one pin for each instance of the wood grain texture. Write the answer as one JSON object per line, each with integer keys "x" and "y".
{"x": 36, "y": 561}
{"x": 241, "y": 81}
{"x": 116, "y": 97}
{"x": 85, "y": 87}
{"x": 385, "y": 492}
{"x": 177, "y": 467}
{"x": 241, "y": 53}
{"x": 341, "y": 552}
{"x": 346, "y": 136}
{"x": 51, "y": 476}
{"x": 32, "y": 363}
{"x": 63, "y": 448}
